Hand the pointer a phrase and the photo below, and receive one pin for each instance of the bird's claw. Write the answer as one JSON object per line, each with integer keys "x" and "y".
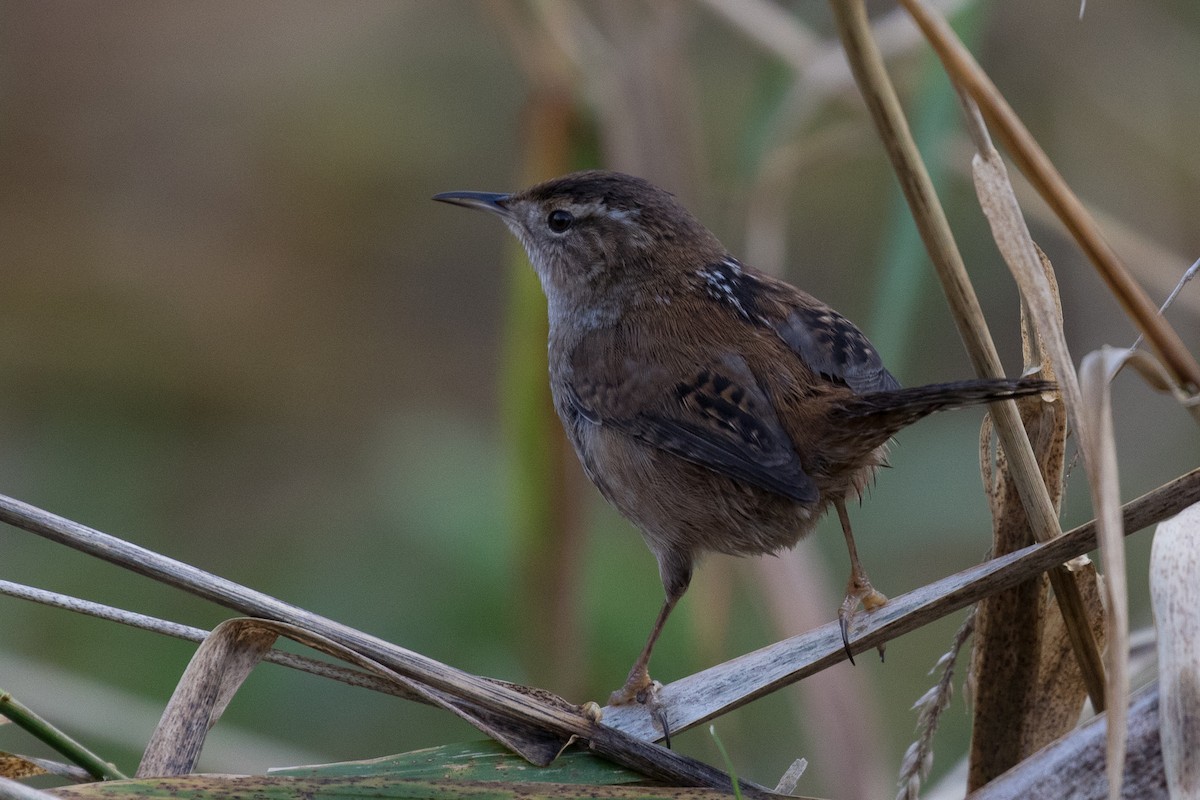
{"x": 644, "y": 690}
{"x": 859, "y": 591}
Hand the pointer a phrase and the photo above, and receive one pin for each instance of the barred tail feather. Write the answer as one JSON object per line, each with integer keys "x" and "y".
{"x": 889, "y": 411}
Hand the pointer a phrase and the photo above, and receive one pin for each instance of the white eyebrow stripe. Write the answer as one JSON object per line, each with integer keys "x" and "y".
{"x": 625, "y": 216}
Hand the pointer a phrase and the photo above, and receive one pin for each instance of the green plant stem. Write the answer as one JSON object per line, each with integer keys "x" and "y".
{"x": 30, "y": 721}
{"x": 712, "y": 731}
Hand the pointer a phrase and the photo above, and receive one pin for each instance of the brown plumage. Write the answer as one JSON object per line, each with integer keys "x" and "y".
{"x": 718, "y": 408}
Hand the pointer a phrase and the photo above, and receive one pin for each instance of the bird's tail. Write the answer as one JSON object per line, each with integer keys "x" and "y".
{"x": 885, "y": 413}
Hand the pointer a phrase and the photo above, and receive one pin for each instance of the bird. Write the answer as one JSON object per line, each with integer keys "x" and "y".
{"x": 718, "y": 408}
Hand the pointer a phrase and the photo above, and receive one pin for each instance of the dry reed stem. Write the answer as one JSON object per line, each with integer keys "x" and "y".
{"x": 187, "y": 633}
{"x": 966, "y": 73}
{"x": 880, "y": 96}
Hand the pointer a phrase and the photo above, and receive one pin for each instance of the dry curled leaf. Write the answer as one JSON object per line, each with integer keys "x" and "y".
{"x": 1027, "y": 684}
{"x": 216, "y": 671}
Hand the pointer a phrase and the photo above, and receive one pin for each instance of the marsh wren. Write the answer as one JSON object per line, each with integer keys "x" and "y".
{"x": 718, "y": 408}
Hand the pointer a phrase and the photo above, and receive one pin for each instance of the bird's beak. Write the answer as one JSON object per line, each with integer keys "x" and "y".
{"x": 484, "y": 201}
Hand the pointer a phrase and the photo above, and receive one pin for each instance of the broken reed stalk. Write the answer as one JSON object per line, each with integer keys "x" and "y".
{"x": 966, "y": 73}
{"x": 867, "y": 65}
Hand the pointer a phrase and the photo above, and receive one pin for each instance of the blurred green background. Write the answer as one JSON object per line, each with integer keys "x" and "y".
{"x": 234, "y": 329}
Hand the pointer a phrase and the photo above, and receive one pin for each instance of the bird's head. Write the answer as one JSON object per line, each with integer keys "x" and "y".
{"x": 595, "y": 237}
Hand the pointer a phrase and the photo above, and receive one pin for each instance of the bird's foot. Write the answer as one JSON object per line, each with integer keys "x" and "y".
{"x": 641, "y": 688}
{"x": 638, "y": 688}
{"x": 858, "y": 591}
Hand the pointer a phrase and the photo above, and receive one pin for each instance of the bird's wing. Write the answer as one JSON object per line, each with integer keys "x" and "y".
{"x": 834, "y": 347}
{"x": 831, "y": 345}
{"x": 716, "y": 416}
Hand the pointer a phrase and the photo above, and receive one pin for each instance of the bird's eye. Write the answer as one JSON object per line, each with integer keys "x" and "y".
{"x": 560, "y": 220}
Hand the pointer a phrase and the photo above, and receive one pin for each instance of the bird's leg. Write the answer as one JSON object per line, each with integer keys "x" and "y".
{"x": 859, "y": 588}
{"x": 638, "y": 686}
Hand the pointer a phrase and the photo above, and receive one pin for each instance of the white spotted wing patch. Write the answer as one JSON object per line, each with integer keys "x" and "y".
{"x": 729, "y": 284}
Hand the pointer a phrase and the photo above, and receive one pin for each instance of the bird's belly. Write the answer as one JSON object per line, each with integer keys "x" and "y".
{"x": 686, "y": 508}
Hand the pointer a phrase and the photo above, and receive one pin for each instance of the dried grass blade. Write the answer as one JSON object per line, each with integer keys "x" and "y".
{"x": 1014, "y": 715}
{"x": 1059, "y": 685}
{"x": 1003, "y": 659}
{"x": 1026, "y": 264}
{"x": 217, "y": 669}
{"x": 1174, "y": 576}
{"x": 1010, "y": 711}
{"x": 1096, "y": 372}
